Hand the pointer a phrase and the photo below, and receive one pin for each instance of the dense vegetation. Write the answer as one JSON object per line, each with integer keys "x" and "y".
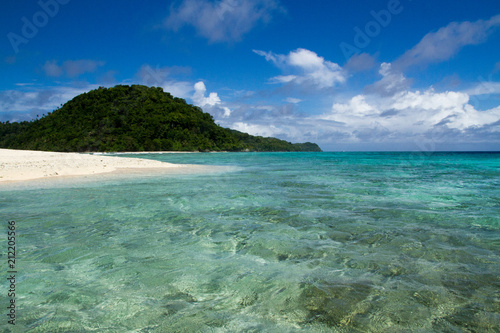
{"x": 133, "y": 118}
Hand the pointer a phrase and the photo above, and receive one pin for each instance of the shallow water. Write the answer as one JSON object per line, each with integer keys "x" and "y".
{"x": 288, "y": 242}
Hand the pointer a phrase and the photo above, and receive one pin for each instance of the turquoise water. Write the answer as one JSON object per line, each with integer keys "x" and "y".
{"x": 286, "y": 242}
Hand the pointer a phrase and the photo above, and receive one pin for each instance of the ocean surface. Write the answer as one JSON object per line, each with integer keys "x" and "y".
{"x": 280, "y": 242}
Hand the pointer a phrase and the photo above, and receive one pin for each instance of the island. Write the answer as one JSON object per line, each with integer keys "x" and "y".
{"x": 133, "y": 119}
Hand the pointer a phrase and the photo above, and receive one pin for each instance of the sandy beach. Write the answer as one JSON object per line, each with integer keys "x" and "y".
{"x": 21, "y": 165}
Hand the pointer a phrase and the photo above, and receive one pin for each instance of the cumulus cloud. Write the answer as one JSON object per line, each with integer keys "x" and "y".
{"x": 443, "y": 44}
{"x": 221, "y": 21}
{"x": 411, "y": 114}
{"x": 199, "y": 96}
{"x": 306, "y": 68}
{"x": 211, "y": 103}
{"x": 408, "y": 119}
{"x": 70, "y": 68}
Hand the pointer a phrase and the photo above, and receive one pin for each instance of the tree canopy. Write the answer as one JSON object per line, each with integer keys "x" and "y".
{"x": 133, "y": 118}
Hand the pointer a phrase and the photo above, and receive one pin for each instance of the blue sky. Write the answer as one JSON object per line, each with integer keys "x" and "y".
{"x": 348, "y": 75}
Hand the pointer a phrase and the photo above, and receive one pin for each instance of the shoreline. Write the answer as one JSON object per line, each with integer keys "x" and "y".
{"x": 141, "y": 152}
{"x": 28, "y": 165}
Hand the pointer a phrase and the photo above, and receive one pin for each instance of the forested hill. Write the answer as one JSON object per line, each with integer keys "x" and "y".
{"x": 133, "y": 118}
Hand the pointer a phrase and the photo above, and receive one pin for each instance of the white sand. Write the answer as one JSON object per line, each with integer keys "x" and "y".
{"x": 18, "y": 165}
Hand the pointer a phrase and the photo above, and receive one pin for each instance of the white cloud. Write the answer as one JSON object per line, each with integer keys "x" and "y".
{"x": 293, "y": 100}
{"x": 484, "y": 88}
{"x": 283, "y": 78}
{"x": 357, "y": 107}
{"x": 411, "y": 113}
{"x": 257, "y": 129}
{"x": 25, "y": 84}
{"x": 211, "y": 103}
{"x": 199, "y": 96}
{"x": 387, "y": 112}
{"x": 306, "y": 59}
{"x": 227, "y": 112}
{"x": 220, "y": 21}
{"x": 447, "y": 41}
{"x": 311, "y": 69}
{"x": 71, "y": 68}
{"x": 269, "y": 56}
{"x": 180, "y": 89}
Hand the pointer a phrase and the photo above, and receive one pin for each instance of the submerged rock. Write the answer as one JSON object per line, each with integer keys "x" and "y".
{"x": 335, "y": 305}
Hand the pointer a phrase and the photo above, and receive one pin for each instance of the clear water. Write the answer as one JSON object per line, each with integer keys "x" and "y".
{"x": 288, "y": 242}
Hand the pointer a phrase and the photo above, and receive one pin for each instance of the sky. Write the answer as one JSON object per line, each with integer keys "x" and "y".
{"x": 349, "y": 75}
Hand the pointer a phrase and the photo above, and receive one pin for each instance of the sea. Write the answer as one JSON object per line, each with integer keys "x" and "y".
{"x": 275, "y": 242}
